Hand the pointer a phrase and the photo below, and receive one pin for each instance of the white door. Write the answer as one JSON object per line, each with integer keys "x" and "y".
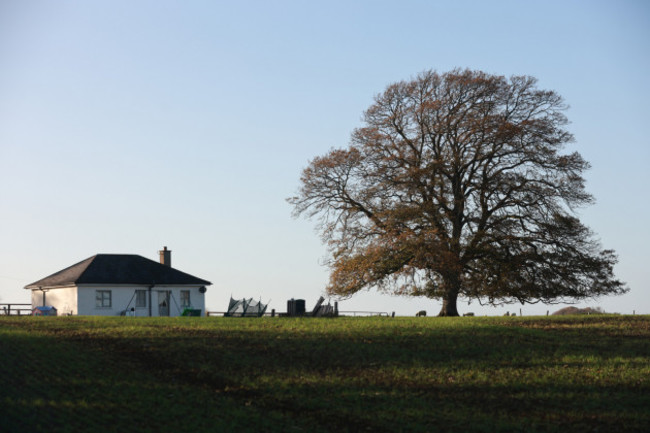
{"x": 163, "y": 302}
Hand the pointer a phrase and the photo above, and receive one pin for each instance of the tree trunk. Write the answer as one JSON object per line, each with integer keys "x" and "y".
{"x": 451, "y": 296}
{"x": 449, "y": 305}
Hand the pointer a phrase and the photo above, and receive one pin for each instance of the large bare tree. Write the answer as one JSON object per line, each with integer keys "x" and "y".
{"x": 456, "y": 187}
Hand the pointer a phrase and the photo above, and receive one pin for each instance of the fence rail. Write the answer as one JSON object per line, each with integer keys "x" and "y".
{"x": 364, "y": 313}
{"x": 341, "y": 313}
{"x": 26, "y": 309}
{"x": 223, "y": 313}
{"x": 15, "y": 309}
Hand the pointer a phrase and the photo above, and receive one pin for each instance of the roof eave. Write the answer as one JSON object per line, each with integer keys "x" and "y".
{"x": 46, "y": 287}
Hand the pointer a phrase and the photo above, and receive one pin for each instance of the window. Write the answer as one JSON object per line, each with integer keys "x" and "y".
{"x": 103, "y": 299}
{"x": 140, "y": 298}
{"x": 185, "y": 298}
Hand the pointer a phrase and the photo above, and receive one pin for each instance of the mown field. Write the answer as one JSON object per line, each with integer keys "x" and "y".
{"x": 79, "y": 374}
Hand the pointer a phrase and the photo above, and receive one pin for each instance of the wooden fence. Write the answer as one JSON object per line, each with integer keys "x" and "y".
{"x": 15, "y": 309}
{"x": 273, "y": 313}
{"x": 365, "y": 313}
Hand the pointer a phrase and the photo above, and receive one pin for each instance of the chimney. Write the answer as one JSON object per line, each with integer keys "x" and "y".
{"x": 166, "y": 257}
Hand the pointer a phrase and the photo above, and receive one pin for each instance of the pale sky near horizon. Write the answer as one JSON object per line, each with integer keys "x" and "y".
{"x": 126, "y": 126}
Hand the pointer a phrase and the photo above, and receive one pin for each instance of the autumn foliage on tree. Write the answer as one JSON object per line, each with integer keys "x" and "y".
{"x": 456, "y": 187}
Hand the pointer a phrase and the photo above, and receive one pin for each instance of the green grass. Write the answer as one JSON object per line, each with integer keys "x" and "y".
{"x": 347, "y": 374}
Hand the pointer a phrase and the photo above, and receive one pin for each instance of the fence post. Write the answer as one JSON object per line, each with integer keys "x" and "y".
{"x": 273, "y": 312}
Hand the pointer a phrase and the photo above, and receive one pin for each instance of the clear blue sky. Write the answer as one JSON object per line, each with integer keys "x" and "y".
{"x": 129, "y": 125}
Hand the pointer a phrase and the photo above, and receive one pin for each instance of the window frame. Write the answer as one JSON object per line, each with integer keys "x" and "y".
{"x": 140, "y": 295}
{"x": 185, "y": 303}
{"x": 101, "y": 298}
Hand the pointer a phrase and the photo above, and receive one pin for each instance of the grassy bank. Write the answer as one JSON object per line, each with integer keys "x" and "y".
{"x": 347, "y": 374}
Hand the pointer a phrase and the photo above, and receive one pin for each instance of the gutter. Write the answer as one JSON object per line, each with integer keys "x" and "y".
{"x": 150, "y": 287}
{"x": 43, "y": 291}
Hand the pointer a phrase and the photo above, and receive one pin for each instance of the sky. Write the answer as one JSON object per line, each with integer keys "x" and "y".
{"x": 126, "y": 126}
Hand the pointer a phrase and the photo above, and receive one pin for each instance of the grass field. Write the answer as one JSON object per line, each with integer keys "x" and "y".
{"x": 488, "y": 374}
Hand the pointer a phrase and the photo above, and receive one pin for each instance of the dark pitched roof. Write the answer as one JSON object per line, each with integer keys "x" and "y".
{"x": 117, "y": 269}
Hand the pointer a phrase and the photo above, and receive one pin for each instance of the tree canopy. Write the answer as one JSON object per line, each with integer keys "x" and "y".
{"x": 456, "y": 186}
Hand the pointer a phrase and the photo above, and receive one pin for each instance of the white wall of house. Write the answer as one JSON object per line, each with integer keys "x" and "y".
{"x": 64, "y": 299}
{"x": 123, "y": 298}
{"x": 82, "y": 300}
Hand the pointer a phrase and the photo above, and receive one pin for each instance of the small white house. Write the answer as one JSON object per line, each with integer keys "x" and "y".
{"x": 121, "y": 284}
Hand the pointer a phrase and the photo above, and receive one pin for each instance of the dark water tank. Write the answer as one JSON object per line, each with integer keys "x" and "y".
{"x": 296, "y": 307}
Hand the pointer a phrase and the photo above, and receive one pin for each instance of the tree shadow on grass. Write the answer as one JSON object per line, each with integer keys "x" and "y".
{"x": 395, "y": 377}
{"x": 53, "y": 385}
